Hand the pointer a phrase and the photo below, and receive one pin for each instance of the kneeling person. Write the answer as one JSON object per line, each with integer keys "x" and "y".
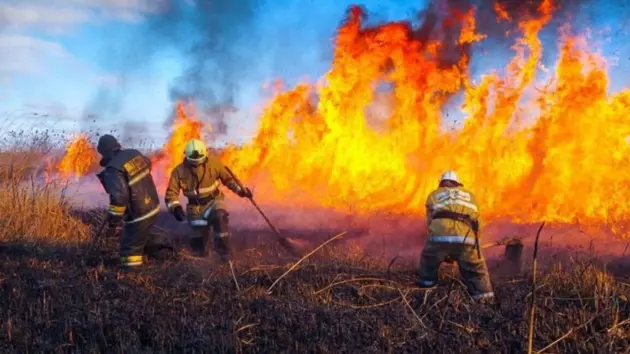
{"x": 453, "y": 223}
{"x": 133, "y": 199}
{"x": 199, "y": 177}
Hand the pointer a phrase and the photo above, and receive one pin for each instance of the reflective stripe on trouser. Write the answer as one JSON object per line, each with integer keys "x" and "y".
{"x": 139, "y": 239}
{"x": 131, "y": 261}
{"x": 473, "y": 269}
{"x": 204, "y": 220}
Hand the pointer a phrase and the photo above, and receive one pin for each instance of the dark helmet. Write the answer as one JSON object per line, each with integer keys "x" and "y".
{"x": 107, "y": 147}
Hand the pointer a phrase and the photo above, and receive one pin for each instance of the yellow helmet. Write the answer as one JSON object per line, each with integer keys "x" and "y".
{"x": 196, "y": 151}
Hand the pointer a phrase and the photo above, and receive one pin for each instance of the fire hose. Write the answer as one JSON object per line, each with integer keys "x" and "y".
{"x": 283, "y": 241}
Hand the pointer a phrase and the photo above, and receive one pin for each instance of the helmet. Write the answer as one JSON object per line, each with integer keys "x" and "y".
{"x": 450, "y": 175}
{"x": 107, "y": 144}
{"x": 196, "y": 151}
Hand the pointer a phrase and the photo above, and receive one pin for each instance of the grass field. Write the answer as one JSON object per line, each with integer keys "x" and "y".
{"x": 340, "y": 300}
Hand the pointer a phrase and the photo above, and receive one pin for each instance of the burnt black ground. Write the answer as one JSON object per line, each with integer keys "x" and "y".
{"x": 52, "y": 302}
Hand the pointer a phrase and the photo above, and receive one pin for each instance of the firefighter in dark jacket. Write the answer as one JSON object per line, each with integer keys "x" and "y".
{"x": 133, "y": 199}
{"x": 199, "y": 177}
{"x": 453, "y": 223}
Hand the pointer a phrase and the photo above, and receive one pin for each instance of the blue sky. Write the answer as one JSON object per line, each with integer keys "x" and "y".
{"x": 55, "y": 55}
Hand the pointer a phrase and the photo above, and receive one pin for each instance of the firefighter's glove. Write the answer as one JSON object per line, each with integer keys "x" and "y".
{"x": 179, "y": 214}
{"x": 245, "y": 193}
{"x": 114, "y": 220}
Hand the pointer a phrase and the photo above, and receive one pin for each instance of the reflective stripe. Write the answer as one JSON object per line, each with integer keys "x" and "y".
{"x": 203, "y": 191}
{"x": 131, "y": 261}
{"x": 172, "y": 204}
{"x": 445, "y": 203}
{"x": 453, "y": 239}
{"x": 117, "y": 209}
{"x": 145, "y": 216}
{"x": 206, "y": 214}
{"x": 483, "y": 296}
{"x": 139, "y": 177}
{"x": 198, "y": 222}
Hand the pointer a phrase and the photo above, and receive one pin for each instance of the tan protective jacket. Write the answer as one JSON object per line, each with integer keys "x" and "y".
{"x": 455, "y": 200}
{"x": 200, "y": 184}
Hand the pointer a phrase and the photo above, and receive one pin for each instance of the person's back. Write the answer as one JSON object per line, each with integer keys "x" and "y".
{"x": 452, "y": 212}
{"x": 128, "y": 177}
{"x": 453, "y": 225}
{"x": 134, "y": 200}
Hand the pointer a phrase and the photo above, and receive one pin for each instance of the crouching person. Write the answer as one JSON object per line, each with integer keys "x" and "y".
{"x": 133, "y": 199}
{"x": 453, "y": 224}
{"x": 199, "y": 177}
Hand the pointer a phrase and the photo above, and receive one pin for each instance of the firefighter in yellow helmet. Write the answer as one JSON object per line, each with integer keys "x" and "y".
{"x": 453, "y": 225}
{"x": 199, "y": 177}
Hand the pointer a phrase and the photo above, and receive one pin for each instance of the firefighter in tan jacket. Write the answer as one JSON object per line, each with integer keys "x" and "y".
{"x": 199, "y": 177}
{"x": 453, "y": 224}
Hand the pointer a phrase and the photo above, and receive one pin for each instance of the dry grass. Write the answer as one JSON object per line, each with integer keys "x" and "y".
{"x": 34, "y": 210}
{"x": 339, "y": 300}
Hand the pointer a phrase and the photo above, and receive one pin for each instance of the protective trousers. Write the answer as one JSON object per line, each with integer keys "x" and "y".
{"x": 472, "y": 267}
{"x": 209, "y": 223}
{"x": 138, "y": 239}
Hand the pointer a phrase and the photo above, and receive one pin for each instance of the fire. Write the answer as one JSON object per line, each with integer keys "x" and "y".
{"x": 78, "y": 158}
{"x": 186, "y": 126}
{"x": 560, "y": 156}
{"x": 371, "y": 135}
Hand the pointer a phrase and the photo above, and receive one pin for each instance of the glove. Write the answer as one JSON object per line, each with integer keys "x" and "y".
{"x": 113, "y": 220}
{"x": 179, "y": 214}
{"x": 245, "y": 193}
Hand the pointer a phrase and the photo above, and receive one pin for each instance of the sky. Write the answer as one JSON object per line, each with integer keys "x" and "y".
{"x": 73, "y": 65}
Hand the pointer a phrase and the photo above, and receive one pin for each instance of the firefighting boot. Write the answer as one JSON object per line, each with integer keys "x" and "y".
{"x": 197, "y": 246}
{"x": 221, "y": 246}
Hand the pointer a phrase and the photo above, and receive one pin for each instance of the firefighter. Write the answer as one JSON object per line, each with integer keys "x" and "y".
{"x": 133, "y": 199}
{"x": 199, "y": 177}
{"x": 453, "y": 225}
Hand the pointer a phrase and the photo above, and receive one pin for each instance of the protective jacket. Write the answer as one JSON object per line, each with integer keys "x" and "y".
{"x": 452, "y": 215}
{"x": 200, "y": 184}
{"x": 453, "y": 223}
{"x": 127, "y": 180}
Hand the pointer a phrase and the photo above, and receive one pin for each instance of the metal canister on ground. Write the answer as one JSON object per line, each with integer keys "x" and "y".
{"x": 514, "y": 256}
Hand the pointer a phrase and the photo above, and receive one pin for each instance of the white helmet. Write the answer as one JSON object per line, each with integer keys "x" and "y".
{"x": 196, "y": 151}
{"x": 450, "y": 175}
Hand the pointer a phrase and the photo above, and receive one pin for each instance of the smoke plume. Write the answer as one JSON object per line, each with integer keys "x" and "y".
{"x": 214, "y": 40}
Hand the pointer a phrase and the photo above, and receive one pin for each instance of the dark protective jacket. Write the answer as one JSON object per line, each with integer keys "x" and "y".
{"x": 128, "y": 181}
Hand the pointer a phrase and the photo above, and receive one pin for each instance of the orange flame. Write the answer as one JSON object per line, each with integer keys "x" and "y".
{"x": 78, "y": 158}
{"x": 186, "y": 126}
{"x": 501, "y": 13}
{"x": 567, "y": 164}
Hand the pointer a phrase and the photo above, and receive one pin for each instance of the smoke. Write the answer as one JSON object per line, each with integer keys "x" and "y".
{"x": 216, "y": 43}
{"x": 217, "y": 46}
